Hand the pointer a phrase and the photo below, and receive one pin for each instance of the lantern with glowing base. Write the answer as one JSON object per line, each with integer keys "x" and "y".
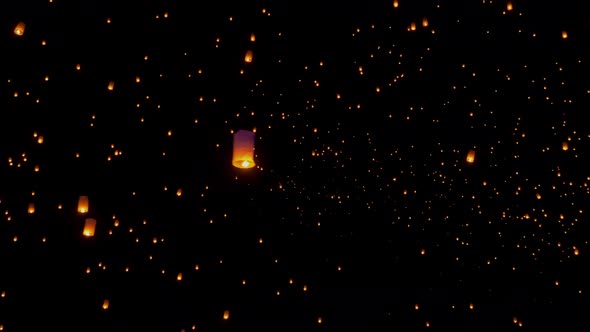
{"x": 470, "y": 157}
{"x": 243, "y": 153}
{"x": 19, "y": 30}
{"x": 83, "y": 204}
{"x": 89, "y": 227}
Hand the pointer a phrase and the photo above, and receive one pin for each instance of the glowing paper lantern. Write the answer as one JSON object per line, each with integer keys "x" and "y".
{"x": 83, "y": 204}
{"x": 470, "y": 156}
{"x": 89, "y": 227}
{"x": 252, "y": 37}
{"x": 248, "y": 57}
{"x": 31, "y": 208}
{"x": 19, "y": 30}
{"x": 111, "y": 86}
{"x": 243, "y": 154}
{"x": 425, "y": 22}
{"x": 509, "y": 6}
{"x": 564, "y": 34}
{"x": 226, "y": 315}
{"x": 564, "y": 146}
{"x": 395, "y": 4}
{"x": 105, "y": 304}
{"x": 413, "y": 26}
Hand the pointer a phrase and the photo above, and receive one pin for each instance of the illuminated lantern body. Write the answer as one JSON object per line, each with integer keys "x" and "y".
{"x": 83, "y": 204}
{"x": 564, "y": 34}
{"x": 111, "y": 86}
{"x": 19, "y": 30}
{"x": 105, "y": 304}
{"x": 89, "y": 227}
{"x": 564, "y": 146}
{"x": 226, "y": 315}
{"x": 395, "y": 4}
{"x": 252, "y": 37}
{"x": 509, "y": 6}
{"x": 243, "y": 154}
{"x": 248, "y": 57}
{"x": 470, "y": 156}
{"x": 413, "y": 26}
{"x": 31, "y": 208}
{"x": 425, "y": 22}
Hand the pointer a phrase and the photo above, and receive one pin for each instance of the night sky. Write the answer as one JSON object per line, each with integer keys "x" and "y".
{"x": 420, "y": 165}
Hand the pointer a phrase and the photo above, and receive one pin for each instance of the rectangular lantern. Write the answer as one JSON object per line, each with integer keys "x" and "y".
{"x": 31, "y": 208}
{"x": 111, "y": 86}
{"x": 248, "y": 57}
{"x": 19, "y": 30}
{"x": 243, "y": 154}
{"x": 89, "y": 227}
{"x": 470, "y": 156}
{"x": 83, "y": 204}
{"x": 564, "y": 146}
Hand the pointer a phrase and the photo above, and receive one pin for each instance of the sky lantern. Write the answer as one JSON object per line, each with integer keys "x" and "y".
{"x": 31, "y": 208}
{"x": 83, "y": 204}
{"x": 252, "y": 37}
{"x": 243, "y": 153}
{"x": 425, "y": 22}
{"x": 89, "y": 227}
{"x": 564, "y": 146}
{"x": 226, "y": 315}
{"x": 509, "y": 6}
{"x": 395, "y": 3}
{"x": 111, "y": 86}
{"x": 248, "y": 57}
{"x": 19, "y": 29}
{"x": 413, "y": 26}
{"x": 470, "y": 156}
{"x": 105, "y": 304}
{"x": 564, "y": 34}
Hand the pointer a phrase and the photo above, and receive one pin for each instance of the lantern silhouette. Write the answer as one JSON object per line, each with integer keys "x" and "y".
{"x": 31, "y": 208}
{"x": 89, "y": 227}
{"x": 83, "y": 204}
{"x": 564, "y": 34}
{"x": 111, "y": 86}
{"x": 243, "y": 153}
{"x": 425, "y": 22}
{"x": 252, "y": 37}
{"x": 248, "y": 57}
{"x": 395, "y": 4}
{"x": 19, "y": 30}
{"x": 509, "y": 6}
{"x": 226, "y": 315}
{"x": 564, "y": 146}
{"x": 470, "y": 156}
{"x": 105, "y": 304}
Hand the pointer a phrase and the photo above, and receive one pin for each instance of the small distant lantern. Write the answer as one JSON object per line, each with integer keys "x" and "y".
{"x": 105, "y": 304}
{"x": 564, "y": 146}
{"x": 425, "y": 22}
{"x": 19, "y": 30}
{"x": 564, "y": 34}
{"x": 179, "y": 277}
{"x": 243, "y": 152}
{"x": 83, "y": 204}
{"x": 413, "y": 26}
{"x": 509, "y": 6}
{"x": 395, "y": 3}
{"x": 111, "y": 86}
{"x": 248, "y": 57}
{"x": 470, "y": 156}
{"x": 31, "y": 208}
{"x": 252, "y": 37}
{"x": 226, "y": 315}
{"x": 89, "y": 227}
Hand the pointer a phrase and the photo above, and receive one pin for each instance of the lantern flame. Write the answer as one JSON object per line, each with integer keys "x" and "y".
{"x": 19, "y": 30}
{"x": 89, "y": 227}
{"x": 83, "y": 204}
{"x": 243, "y": 150}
